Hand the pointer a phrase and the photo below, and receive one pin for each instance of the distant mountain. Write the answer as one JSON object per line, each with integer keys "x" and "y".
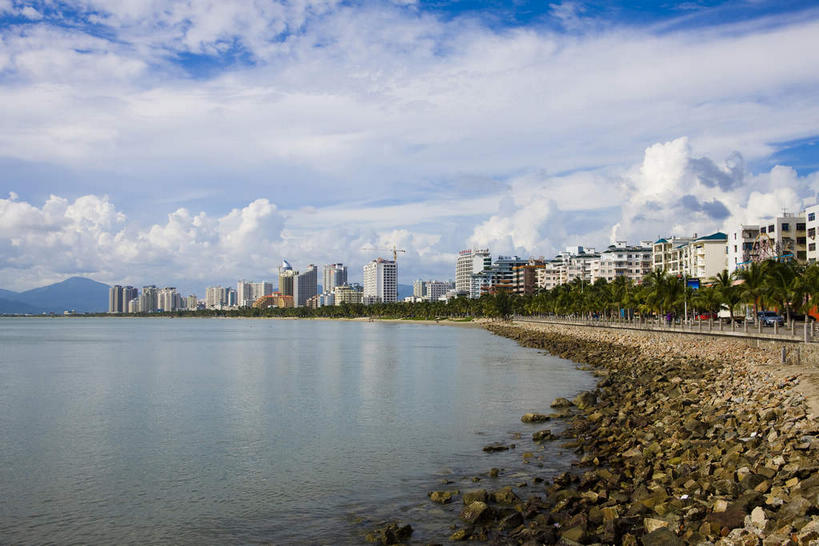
{"x": 77, "y": 293}
{"x": 8, "y": 294}
{"x": 11, "y": 307}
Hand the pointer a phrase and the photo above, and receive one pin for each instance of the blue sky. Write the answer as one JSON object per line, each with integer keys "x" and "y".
{"x": 190, "y": 143}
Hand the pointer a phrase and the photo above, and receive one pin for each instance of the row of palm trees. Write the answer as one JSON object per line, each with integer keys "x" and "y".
{"x": 789, "y": 287}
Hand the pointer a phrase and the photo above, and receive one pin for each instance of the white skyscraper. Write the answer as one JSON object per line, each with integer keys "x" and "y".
{"x": 470, "y": 262}
{"x": 333, "y": 275}
{"x": 248, "y": 292}
{"x": 381, "y": 281}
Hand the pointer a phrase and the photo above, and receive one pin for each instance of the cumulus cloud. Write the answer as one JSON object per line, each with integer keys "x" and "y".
{"x": 674, "y": 192}
{"x": 323, "y": 131}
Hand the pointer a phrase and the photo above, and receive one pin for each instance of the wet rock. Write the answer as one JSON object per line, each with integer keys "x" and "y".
{"x": 494, "y": 448}
{"x": 584, "y": 400}
{"x": 476, "y": 512}
{"x": 475, "y": 495}
{"x": 561, "y": 403}
{"x": 534, "y": 418}
{"x": 661, "y": 537}
{"x": 505, "y": 495}
{"x": 510, "y": 521}
{"x": 390, "y": 533}
{"x": 494, "y": 472}
{"x": 442, "y": 497}
{"x": 460, "y": 534}
{"x": 543, "y": 436}
{"x": 652, "y": 524}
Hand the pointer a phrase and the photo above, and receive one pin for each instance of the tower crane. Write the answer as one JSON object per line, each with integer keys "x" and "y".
{"x": 395, "y": 252}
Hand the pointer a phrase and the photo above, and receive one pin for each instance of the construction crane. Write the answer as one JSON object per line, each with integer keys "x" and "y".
{"x": 395, "y": 252}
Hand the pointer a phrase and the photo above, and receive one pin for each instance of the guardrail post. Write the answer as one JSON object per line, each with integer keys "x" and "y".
{"x": 793, "y": 326}
{"x": 776, "y": 327}
{"x": 806, "y": 329}
{"x": 710, "y": 325}
{"x": 720, "y": 324}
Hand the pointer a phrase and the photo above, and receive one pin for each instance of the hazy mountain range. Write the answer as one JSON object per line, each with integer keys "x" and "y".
{"x": 76, "y": 294}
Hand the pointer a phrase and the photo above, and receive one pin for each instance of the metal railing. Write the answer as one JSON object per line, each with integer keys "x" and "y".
{"x": 795, "y": 332}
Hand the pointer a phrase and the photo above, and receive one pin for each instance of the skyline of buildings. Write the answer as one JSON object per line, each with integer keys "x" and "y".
{"x": 787, "y": 236}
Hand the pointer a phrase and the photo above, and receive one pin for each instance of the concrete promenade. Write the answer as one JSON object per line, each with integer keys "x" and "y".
{"x": 794, "y": 333}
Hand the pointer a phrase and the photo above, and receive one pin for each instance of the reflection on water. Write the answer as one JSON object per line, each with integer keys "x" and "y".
{"x": 235, "y": 431}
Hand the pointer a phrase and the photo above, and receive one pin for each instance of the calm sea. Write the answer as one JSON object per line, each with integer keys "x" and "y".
{"x": 124, "y": 430}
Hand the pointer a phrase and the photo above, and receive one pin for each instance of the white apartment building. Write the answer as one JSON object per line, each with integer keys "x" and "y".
{"x": 436, "y": 289}
{"x": 573, "y": 263}
{"x": 666, "y": 253}
{"x": 419, "y": 287}
{"x": 740, "y": 245}
{"x": 786, "y": 236}
{"x": 622, "y": 260}
{"x": 706, "y": 257}
{"x": 333, "y": 275}
{"x": 469, "y": 263}
{"x": 346, "y": 294}
{"x": 215, "y": 297}
{"x": 247, "y": 292}
{"x": 168, "y": 299}
{"x": 811, "y": 225}
{"x": 380, "y": 281}
{"x": 696, "y": 257}
{"x": 148, "y": 300}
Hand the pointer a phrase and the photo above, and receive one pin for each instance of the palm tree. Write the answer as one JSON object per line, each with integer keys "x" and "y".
{"x": 753, "y": 283}
{"x": 729, "y": 294}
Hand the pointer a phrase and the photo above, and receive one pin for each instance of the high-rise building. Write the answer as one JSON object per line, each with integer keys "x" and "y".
{"x": 286, "y": 275}
{"x": 305, "y": 285}
{"x": 380, "y": 281}
{"x": 192, "y": 304}
{"x": 148, "y": 299}
{"x": 333, "y": 275}
{"x": 247, "y": 292}
{"x": 115, "y": 299}
{"x": 216, "y": 297}
{"x": 168, "y": 299}
{"x": 419, "y": 288}
{"x": 435, "y": 289}
{"x": 119, "y": 297}
{"x": 470, "y": 262}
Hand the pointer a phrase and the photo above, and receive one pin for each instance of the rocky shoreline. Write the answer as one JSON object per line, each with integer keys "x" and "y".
{"x": 684, "y": 441}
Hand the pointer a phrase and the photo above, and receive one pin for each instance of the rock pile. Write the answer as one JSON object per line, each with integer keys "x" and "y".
{"x": 676, "y": 445}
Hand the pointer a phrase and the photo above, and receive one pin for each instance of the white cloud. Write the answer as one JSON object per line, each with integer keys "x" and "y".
{"x": 344, "y": 126}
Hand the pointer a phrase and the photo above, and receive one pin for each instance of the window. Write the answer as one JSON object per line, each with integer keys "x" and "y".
{"x": 762, "y": 230}
{"x": 800, "y": 227}
{"x": 801, "y": 255}
{"x": 801, "y": 240}
{"x": 812, "y": 247}
{"x": 735, "y": 248}
{"x": 812, "y": 232}
{"x": 811, "y": 217}
{"x": 786, "y": 226}
{"x": 772, "y": 227}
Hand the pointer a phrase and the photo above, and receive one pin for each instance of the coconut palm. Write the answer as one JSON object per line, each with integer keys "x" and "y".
{"x": 753, "y": 283}
{"x": 730, "y": 294}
